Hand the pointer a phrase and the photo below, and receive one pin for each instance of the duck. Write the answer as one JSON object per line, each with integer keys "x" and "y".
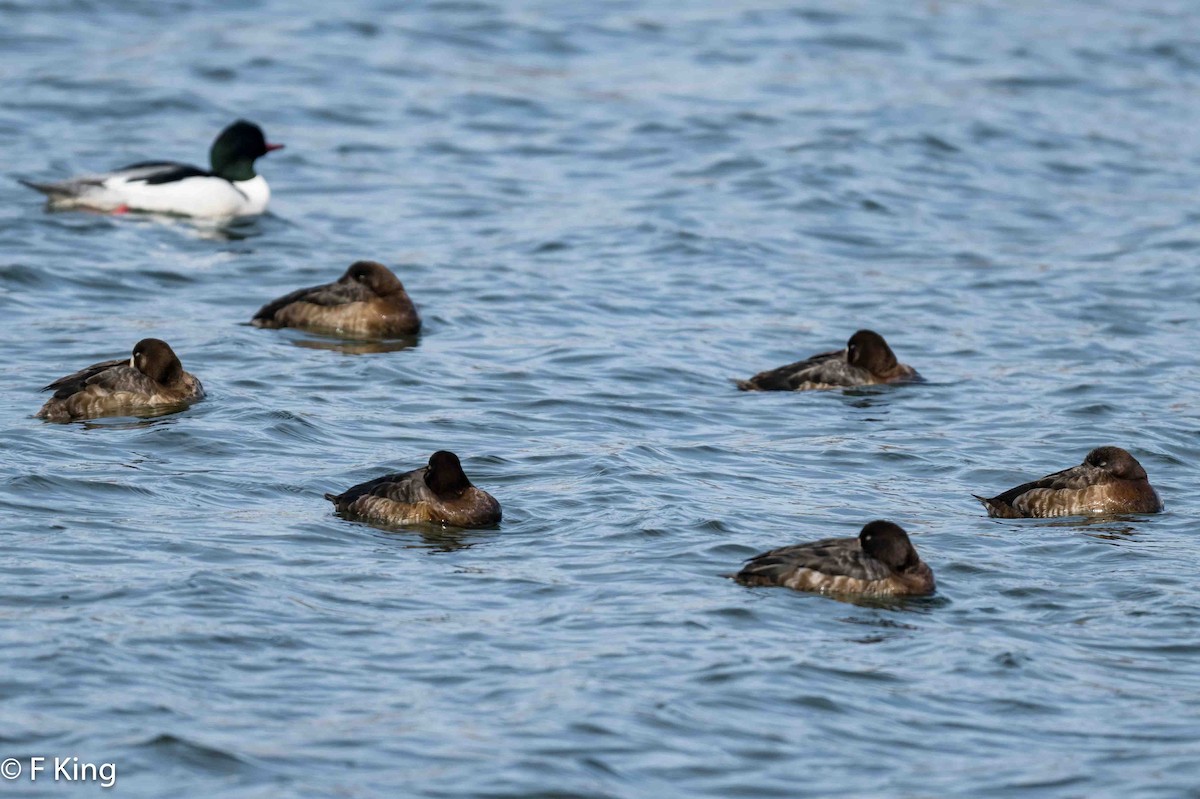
{"x": 367, "y": 301}
{"x": 880, "y": 562}
{"x": 229, "y": 188}
{"x": 1109, "y": 481}
{"x": 437, "y": 493}
{"x": 867, "y": 360}
{"x": 150, "y": 381}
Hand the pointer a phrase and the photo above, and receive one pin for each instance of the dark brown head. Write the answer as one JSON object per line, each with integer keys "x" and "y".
{"x": 445, "y": 476}
{"x": 867, "y": 350}
{"x": 888, "y": 544}
{"x": 375, "y": 276}
{"x": 156, "y": 360}
{"x": 1117, "y": 462}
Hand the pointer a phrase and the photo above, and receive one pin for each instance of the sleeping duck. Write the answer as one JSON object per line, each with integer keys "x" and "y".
{"x": 881, "y": 561}
{"x": 1109, "y": 481}
{"x": 866, "y": 361}
{"x": 229, "y": 188}
{"x": 438, "y": 493}
{"x": 151, "y": 381}
{"x": 368, "y": 301}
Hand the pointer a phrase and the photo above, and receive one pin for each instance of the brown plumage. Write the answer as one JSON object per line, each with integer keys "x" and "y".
{"x": 439, "y": 493}
{"x": 1109, "y": 480}
{"x": 152, "y": 380}
{"x": 866, "y": 361}
{"x": 881, "y": 561}
{"x": 368, "y": 301}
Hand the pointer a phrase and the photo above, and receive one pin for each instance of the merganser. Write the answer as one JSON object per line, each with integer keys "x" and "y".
{"x": 231, "y": 188}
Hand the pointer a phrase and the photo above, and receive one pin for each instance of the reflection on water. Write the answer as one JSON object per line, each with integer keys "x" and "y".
{"x": 426, "y": 536}
{"x": 218, "y": 229}
{"x": 139, "y": 422}
{"x": 357, "y": 347}
{"x": 147, "y": 418}
{"x": 1113, "y": 527}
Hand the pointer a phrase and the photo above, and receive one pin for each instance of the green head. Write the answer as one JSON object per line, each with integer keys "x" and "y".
{"x": 234, "y": 152}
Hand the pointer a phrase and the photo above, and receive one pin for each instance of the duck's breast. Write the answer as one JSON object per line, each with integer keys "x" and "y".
{"x": 475, "y": 508}
{"x": 257, "y": 195}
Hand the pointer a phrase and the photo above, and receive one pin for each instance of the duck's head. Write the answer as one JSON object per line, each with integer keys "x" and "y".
{"x": 889, "y": 544}
{"x": 445, "y": 476}
{"x": 237, "y": 148}
{"x": 374, "y": 276}
{"x": 868, "y": 350}
{"x": 1117, "y": 462}
{"x": 156, "y": 360}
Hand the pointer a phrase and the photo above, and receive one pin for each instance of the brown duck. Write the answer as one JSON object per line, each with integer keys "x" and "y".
{"x": 881, "y": 561}
{"x": 152, "y": 380}
{"x": 439, "y": 493}
{"x": 1109, "y": 480}
{"x": 368, "y": 301}
{"x": 866, "y": 361}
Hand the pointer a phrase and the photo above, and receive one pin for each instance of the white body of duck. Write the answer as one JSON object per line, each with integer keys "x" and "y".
{"x": 230, "y": 189}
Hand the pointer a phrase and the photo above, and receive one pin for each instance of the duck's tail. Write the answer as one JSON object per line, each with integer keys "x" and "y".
{"x": 995, "y": 508}
{"x": 49, "y": 189}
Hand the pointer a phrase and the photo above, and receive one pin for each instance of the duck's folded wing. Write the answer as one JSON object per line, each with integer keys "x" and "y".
{"x": 832, "y": 370}
{"x": 328, "y": 294}
{"x": 786, "y": 378}
{"x": 157, "y": 172}
{"x": 832, "y": 556}
{"x": 72, "y": 383}
{"x": 1073, "y": 479}
{"x": 405, "y": 487}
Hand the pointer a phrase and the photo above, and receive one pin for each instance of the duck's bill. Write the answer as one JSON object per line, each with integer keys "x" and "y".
{"x": 271, "y": 147}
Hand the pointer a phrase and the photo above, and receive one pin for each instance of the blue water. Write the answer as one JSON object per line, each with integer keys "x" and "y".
{"x": 605, "y": 211}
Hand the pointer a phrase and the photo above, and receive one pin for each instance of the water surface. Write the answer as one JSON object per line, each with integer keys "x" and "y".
{"x": 605, "y": 212}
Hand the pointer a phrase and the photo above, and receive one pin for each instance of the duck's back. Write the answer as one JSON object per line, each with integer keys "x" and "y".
{"x": 405, "y": 487}
{"x": 826, "y": 370}
{"x": 311, "y": 306}
{"x": 394, "y": 499}
{"x": 828, "y": 558}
